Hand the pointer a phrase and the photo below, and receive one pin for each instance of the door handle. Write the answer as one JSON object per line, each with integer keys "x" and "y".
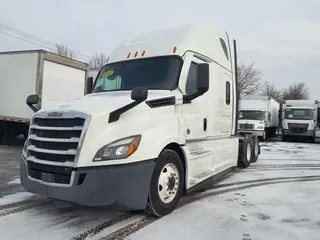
{"x": 204, "y": 124}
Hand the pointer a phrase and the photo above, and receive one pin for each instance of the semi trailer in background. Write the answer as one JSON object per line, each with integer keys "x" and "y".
{"x": 258, "y": 115}
{"x": 51, "y": 78}
{"x": 300, "y": 119}
{"x": 159, "y": 122}
{"x": 93, "y": 72}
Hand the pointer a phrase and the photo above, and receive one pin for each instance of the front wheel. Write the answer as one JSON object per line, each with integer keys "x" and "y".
{"x": 245, "y": 155}
{"x": 166, "y": 185}
{"x": 255, "y": 150}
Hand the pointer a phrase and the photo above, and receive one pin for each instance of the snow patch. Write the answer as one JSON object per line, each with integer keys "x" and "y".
{"x": 17, "y": 197}
{"x": 16, "y": 181}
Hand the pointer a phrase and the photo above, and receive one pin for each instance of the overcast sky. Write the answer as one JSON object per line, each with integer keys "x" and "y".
{"x": 281, "y": 37}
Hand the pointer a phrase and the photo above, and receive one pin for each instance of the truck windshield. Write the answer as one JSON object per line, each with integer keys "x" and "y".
{"x": 298, "y": 113}
{"x": 153, "y": 73}
{"x": 251, "y": 115}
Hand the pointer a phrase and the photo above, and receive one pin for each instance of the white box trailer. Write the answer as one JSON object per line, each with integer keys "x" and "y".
{"x": 54, "y": 79}
{"x": 93, "y": 72}
{"x": 300, "y": 119}
{"x": 161, "y": 120}
{"x": 258, "y": 115}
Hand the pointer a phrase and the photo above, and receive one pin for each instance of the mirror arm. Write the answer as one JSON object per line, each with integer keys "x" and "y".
{"x": 115, "y": 115}
{"x": 189, "y": 98}
{"x": 33, "y": 108}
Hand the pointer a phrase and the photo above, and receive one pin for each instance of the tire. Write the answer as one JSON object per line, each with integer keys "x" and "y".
{"x": 161, "y": 201}
{"x": 285, "y": 138}
{"x": 255, "y": 149}
{"x": 245, "y": 152}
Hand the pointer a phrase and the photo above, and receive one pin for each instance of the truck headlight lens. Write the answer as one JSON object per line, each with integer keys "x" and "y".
{"x": 260, "y": 127}
{"x": 119, "y": 149}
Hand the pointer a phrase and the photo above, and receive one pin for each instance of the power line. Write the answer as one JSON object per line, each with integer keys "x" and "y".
{"x": 26, "y": 35}
{"x": 36, "y": 38}
{"x": 26, "y": 40}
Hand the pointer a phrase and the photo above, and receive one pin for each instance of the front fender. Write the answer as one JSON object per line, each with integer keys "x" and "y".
{"x": 156, "y": 134}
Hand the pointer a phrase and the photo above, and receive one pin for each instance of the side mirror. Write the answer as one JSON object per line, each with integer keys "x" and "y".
{"x": 203, "y": 78}
{"x": 89, "y": 85}
{"x": 139, "y": 94}
{"x": 31, "y": 101}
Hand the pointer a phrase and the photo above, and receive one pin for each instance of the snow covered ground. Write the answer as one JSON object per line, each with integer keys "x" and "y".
{"x": 275, "y": 198}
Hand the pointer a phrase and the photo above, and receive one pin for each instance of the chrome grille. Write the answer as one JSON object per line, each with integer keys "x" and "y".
{"x": 246, "y": 126}
{"x": 55, "y": 140}
{"x": 298, "y": 127}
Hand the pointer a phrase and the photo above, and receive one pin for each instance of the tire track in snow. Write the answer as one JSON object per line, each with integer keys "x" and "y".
{"x": 127, "y": 230}
{"x": 95, "y": 230}
{"x": 133, "y": 227}
{"x": 284, "y": 165}
{"x": 279, "y": 169}
{"x": 18, "y": 207}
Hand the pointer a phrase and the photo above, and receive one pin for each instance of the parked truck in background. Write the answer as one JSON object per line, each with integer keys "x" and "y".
{"x": 51, "y": 77}
{"x": 300, "y": 119}
{"x": 160, "y": 121}
{"x": 93, "y": 72}
{"x": 258, "y": 115}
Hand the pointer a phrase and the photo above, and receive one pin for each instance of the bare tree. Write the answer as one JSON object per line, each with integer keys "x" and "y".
{"x": 98, "y": 60}
{"x": 249, "y": 80}
{"x": 271, "y": 91}
{"x": 296, "y": 91}
{"x": 64, "y": 51}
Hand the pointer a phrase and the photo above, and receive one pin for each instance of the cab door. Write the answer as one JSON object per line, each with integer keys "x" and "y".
{"x": 195, "y": 115}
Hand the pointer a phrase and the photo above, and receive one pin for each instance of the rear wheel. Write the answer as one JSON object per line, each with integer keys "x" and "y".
{"x": 255, "y": 150}
{"x": 166, "y": 185}
{"x": 285, "y": 138}
{"x": 245, "y": 152}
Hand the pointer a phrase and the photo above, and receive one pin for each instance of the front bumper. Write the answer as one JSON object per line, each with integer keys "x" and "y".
{"x": 289, "y": 132}
{"x": 125, "y": 187}
{"x": 259, "y": 133}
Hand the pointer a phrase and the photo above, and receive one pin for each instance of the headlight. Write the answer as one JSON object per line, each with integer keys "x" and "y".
{"x": 260, "y": 127}
{"x": 119, "y": 149}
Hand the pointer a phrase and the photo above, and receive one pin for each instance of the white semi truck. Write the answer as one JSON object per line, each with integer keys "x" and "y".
{"x": 259, "y": 115}
{"x": 160, "y": 121}
{"x": 299, "y": 119}
{"x": 51, "y": 77}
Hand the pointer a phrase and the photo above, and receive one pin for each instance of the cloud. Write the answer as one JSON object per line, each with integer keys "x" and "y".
{"x": 281, "y": 37}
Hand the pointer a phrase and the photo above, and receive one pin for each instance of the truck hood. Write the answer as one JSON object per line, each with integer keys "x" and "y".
{"x": 100, "y": 103}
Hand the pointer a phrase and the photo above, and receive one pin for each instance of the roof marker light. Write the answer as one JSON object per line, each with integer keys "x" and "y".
{"x": 174, "y": 49}
{"x": 136, "y": 54}
{"x": 107, "y": 59}
{"x": 129, "y": 54}
{"x": 143, "y": 53}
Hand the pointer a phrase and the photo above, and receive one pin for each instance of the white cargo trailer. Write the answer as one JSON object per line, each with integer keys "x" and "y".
{"x": 258, "y": 115}
{"x": 300, "y": 119}
{"x": 160, "y": 121}
{"x": 93, "y": 72}
{"x": 54, "y": 79}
